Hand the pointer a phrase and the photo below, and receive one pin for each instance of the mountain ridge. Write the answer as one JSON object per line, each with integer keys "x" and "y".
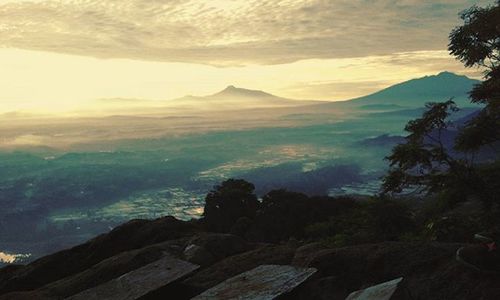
{"x": 231, "y": 91}
{"x": 413, "y": 93}
{"x": 416, "y": 92}
{"x": 234, "y": 97}
{"x": 409, "y": 94}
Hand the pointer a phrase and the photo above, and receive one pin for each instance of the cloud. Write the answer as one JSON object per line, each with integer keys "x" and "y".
{"x": 228, "y": 32}
{"x": 52, "y": 82}
{"x": 342, "y": 79}
{"x": 339, "y": 90}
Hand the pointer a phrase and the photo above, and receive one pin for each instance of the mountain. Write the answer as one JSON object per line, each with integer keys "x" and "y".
{"x": 235, "y": 98}
{"x": 234, "y": 92}
{"x": 408, "y": 95}
{"x": 415, "y": 93}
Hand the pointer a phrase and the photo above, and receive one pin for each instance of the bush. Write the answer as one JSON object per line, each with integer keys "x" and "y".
{"x": 285, "y": 214}
{"x": 374, "y": 221}
{"x": 228, "y": 202}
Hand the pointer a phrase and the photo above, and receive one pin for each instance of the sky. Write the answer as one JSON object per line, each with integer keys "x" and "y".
{"x": 57, "y": 55}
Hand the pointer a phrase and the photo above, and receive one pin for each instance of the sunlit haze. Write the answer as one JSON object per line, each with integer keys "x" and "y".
{"x": 61, "y": 55}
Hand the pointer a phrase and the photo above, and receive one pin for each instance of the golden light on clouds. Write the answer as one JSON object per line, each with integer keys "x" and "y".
{"x": 7, "y": 258}
{"x": 58, "y": 55}
{"x": 49, "y": 82}
{"x": 229, "y": 32}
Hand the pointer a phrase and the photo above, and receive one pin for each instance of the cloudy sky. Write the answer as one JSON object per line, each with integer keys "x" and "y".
{"x": 62, "y": 53}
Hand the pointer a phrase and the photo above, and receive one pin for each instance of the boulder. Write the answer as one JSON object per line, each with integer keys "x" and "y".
{"x": 266, "y": 282}
{"x": 134, "y": 234}
{"x": 198, "y": 255}
{"x": 236, "y": 264}
{"x": 138, "y": 283}
{"x": 207, "y": 248}
{"x": 382, "y": 291}
{"x": 104, "y": 271}
{"x": 430, "y": 271}
{"x": 304, "y": 253}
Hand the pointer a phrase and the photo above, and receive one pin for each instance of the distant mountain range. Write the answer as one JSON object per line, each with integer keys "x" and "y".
{"x": 406, "y": 95}
{"x": 409, "y": 94}
{"x": 416, "y": 92}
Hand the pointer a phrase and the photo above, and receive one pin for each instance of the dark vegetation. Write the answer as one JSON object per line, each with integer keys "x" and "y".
{"x": 425, "y": 160}
{"x": 232, "y": 207}
{"x": 439, "y": 157}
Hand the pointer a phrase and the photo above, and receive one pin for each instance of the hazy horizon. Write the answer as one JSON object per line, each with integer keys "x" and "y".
{"x": 61, "y": 56}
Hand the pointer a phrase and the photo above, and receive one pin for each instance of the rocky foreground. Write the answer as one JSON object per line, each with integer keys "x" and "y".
{"x": 429, "y": 269}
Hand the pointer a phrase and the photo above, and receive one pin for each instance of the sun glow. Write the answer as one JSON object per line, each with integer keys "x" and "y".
{"x": 53, "y": 83}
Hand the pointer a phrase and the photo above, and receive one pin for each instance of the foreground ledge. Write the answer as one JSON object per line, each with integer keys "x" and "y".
{"x": 383, "y": 291}
{"x": 265, "y": 282}
{"x": 138, "y": 283}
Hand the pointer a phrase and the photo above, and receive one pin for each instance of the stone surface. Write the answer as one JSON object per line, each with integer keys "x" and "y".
{"x": 265, "y": 282}
{"x": 236, "y": 264}
{"x": 198, "y": 255}
{"x": 132, "y": 235}
{"x": 383, "y": 291}
{"x": 139, "y": 282}
{"x": 207, "y": 248}
{"x": 304, "y": 253}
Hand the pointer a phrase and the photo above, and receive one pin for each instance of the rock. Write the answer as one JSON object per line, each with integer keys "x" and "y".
{"x": 140, "y": 282}
{"x": 104, "y": 271}
{"x": 266, "y": 282}
{"x": 135, "y": 234}
{"x": 382, "y": 291}
{"x": 207, "y": 248}
{"x": 29, "y": 295}
{"x": 198, "y": 255}
{"x": 234, "y": 265}
{"x": 429, "y": 269}
{"x": 304, "y": 253}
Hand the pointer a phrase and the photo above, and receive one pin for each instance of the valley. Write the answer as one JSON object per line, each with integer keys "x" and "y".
{"x": 64, "y": 180}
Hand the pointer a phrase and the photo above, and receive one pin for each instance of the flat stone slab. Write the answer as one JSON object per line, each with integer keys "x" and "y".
{"x": 265, "y": 282}
{"x": 383, "y": 291}
{"x": 139, "y": 282}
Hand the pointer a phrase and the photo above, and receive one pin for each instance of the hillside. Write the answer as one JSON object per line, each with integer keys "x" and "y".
{"x": 415, "y": 93}
{"x": 347, "y": 243}
{"x": 429, "y": 269}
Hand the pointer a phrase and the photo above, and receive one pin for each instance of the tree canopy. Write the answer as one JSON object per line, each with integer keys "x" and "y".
{"x": 226, "y": 203}
{"x": 424, "y": 160}
{"x": 477, "y": 44}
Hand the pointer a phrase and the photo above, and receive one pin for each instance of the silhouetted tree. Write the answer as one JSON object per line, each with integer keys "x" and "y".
{"x": 228, "y": 202}
{"x": 284, "y": 214}
{"x": 424, "y": 160}
{"x": 477, "y": 44}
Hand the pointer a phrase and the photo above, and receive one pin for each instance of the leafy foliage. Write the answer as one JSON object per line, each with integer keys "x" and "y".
{"x": 477, "y": 44}
{"x": 284, "y": 214}
{"x": 229, "y": 201}
{"x": 376, "y": 220}
{"x": 424, "y": 160}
